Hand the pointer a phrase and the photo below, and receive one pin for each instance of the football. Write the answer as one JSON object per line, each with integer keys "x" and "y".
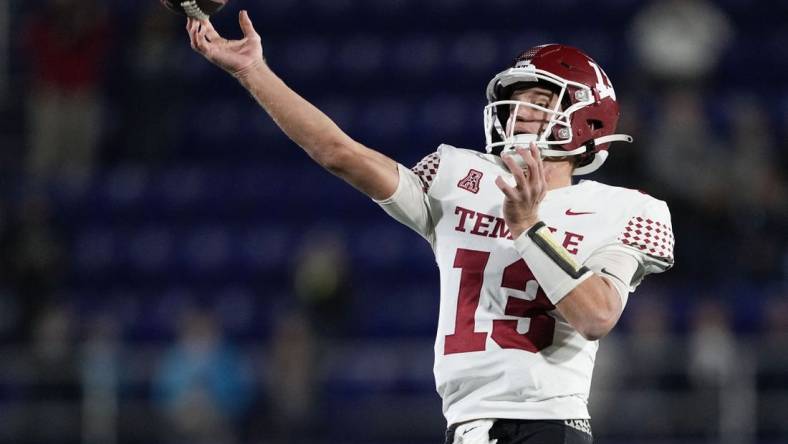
{"x": 199, "y": 9}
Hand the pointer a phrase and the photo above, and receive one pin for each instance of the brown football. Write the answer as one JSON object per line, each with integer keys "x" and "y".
{"x": 199, "y": 9}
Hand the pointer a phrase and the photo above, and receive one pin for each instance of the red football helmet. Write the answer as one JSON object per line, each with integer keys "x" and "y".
{"x": 583, "y": 120}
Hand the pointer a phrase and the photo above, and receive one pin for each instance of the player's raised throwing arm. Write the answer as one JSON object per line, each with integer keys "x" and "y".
{"x": 368, "y": 170}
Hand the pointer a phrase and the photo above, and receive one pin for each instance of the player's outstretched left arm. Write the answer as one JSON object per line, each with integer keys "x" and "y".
{"x": 371, "y": 172}
{"x": 590, "y": 302}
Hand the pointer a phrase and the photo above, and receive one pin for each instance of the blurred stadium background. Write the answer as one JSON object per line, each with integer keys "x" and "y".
{"x": 173, "y": 270}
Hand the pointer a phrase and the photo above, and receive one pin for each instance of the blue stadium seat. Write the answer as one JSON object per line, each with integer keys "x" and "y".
{"x": 307, "y": 56}
{"x": 206, "y": 249}
{"x": 418, "y": 55}
{"x": 361, "y": 55}
{"x": 94, "y": 249}
{"x": 150, "y": 249}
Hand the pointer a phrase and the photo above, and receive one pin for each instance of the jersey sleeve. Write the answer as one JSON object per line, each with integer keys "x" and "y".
{"x": 410, "y": 203}
{"x": 649, "y": 235}
{"x": 427, "y": 169}
{"x": 619, "y": 267}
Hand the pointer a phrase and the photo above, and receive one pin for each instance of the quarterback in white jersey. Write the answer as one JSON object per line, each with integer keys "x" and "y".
{"x": 534, "y": 269}
{"x": 502, "y": 350}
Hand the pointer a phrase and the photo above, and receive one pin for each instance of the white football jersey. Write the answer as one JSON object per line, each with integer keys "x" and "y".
{"x": 502, "y": 350}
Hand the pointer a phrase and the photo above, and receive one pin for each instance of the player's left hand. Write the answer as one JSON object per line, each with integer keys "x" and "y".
{"x": 521, "y": 202}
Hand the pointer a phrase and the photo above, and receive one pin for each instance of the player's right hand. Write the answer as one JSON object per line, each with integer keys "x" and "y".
{"x": 521, "y": 202}
{"x": 237, "y": 57}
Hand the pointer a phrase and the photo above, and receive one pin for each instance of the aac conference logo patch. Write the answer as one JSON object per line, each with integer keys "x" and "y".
{"x": 471, "y": 181}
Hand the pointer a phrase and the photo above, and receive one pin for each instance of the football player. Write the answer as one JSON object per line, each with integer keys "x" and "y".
{"x": 534, "y": 269}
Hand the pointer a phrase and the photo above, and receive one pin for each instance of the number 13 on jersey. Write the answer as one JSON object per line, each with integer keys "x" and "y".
{"x": 504, "y": 331}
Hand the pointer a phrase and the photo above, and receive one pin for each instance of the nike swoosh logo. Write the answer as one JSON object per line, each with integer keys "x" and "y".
{"x": 578, "y": 213}
{"x": 612, "y": 275}
{"x": 468, "y": 430}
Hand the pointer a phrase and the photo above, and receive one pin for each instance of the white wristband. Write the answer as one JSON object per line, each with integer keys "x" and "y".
{"x": 553, "y": 267}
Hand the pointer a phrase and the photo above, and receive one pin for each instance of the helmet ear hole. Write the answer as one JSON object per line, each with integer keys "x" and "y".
{"x": 595, "y": 124}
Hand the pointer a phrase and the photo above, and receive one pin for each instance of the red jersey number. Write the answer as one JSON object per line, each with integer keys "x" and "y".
{"x": 504, "y": 332}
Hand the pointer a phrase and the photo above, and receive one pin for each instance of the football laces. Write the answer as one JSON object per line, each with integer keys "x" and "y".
{"x": 193, "y": 10}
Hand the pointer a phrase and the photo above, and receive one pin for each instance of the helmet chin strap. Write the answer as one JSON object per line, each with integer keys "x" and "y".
{"x": 601, "y": 156}
{"x": 613, "y": 138}
{"x": 525, "y": 140}
{"x": 520, "y": 140}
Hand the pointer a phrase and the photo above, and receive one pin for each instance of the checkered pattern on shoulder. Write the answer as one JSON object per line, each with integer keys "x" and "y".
{"x": 426, "y": 169}
{"x": 649, "y": 236}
